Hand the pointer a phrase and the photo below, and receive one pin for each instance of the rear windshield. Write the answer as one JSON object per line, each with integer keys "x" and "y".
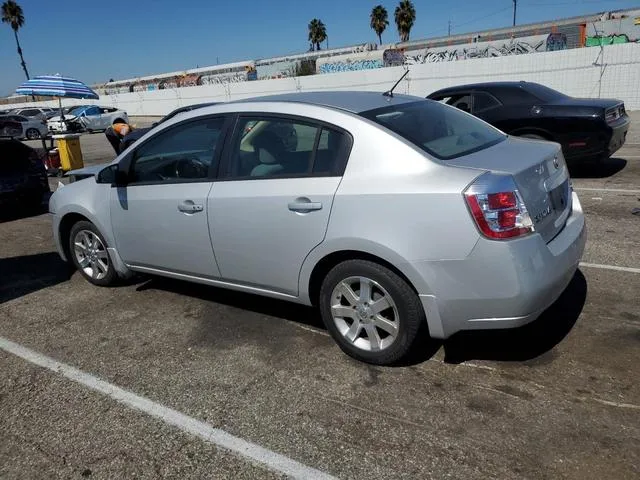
{"x": 442, "y": 131}
{"x": 543, "y": 93}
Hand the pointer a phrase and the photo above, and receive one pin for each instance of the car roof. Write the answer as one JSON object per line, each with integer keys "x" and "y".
{"x": 351, "y": 101}
{"x": 482, "y": 86}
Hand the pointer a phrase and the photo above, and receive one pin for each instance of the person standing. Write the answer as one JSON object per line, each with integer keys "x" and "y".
{"x": 115, "y": 133}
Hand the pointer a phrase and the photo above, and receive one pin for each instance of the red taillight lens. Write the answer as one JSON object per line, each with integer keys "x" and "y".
{"x": 499, "y": 215}
{"x": 501, "y": 200}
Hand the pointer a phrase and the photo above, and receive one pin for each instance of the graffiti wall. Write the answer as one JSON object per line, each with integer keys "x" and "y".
{"x": 500, "y": 48}
{"x": 351, "y": 62}
{"x": 613, "y": 31}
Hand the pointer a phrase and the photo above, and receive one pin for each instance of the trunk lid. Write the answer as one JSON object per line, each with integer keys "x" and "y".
{"x": 541, "y": 175}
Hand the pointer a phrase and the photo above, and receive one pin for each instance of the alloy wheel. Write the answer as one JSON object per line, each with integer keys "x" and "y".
{"x": 365, "y": 313}
{"x": 91, "y": 254}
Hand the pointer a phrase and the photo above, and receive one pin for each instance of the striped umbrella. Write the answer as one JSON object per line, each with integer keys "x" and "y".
{"x": 56, "y": 86}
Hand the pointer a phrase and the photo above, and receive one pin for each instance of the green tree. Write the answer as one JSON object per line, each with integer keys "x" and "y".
{"x": 12, "y": 14}
{"x": 379, "y": 20}
{"x": 405, "y": 16}
{"x": 317, "y": 33}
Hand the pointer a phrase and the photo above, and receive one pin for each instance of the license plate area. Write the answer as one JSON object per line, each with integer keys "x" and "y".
{"x": 560, "y": 196}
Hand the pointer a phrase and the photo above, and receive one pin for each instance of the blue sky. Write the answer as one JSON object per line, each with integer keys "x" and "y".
{"x": 96, "y": 40}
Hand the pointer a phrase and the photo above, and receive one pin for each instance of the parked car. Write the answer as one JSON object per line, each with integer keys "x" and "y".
{"x": 393, "y": 214}
{"x": 23, "y": 178}
{"x": 32, "y": 127}
{"x": 10, "y": 128}
{"x": 40, "y": 113}
{"x": 587, "y": 128}
{"x": 138, "y": 133}
{"x": 88, "y": 118}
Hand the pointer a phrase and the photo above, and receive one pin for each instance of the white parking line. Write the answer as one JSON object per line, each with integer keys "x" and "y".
{"x": 608, "y": 190}
{"x": 610, "y": 267}
{"x": 260, "y": 455}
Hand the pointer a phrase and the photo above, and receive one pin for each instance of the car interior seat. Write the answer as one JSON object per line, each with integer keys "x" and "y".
{"x": 270, "y": 152}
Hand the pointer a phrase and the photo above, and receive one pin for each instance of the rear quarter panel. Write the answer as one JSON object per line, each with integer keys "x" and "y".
{"x": 397, "y": 204}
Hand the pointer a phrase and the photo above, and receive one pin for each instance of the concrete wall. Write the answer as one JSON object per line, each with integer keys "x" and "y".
{"x": 613, "y": 71}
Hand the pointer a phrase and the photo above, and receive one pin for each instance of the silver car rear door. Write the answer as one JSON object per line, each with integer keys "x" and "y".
{"x": 272, "y": 204}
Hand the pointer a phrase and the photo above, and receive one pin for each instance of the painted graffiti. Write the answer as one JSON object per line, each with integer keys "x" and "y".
{"x": 393, "y": 57}
{"x": 539, "y": 43}
{"x": 349, "y": 66}
{"x": 597, "y": 41}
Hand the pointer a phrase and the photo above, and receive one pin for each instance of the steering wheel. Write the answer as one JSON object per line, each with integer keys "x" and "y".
{"x": 191, "y": 168}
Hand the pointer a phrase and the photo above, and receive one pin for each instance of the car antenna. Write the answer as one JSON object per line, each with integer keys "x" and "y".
{"x": 389, "y": 93}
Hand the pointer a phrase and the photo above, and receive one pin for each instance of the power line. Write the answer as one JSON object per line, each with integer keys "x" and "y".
{"x": 457, "y": 25}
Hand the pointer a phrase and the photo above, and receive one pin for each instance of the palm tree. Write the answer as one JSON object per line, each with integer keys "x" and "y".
{"x": 405, "y": 15}
{"x": 317, "y": 33}
{"x": 12, "y": 14}
{"x": 379, "y": 20}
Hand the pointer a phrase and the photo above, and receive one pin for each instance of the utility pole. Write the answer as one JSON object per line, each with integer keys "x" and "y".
{"x": 449, "y": 30}
{"x": 515, "y": 7}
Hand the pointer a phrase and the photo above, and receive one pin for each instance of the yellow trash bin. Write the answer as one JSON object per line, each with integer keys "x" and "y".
{"x": 70, "y": 151}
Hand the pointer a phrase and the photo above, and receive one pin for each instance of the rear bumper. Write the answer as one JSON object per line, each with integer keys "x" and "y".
{"x": 502, "y": 284}
{"x": 604, "y": 142}
{"x": 618, "y": 137}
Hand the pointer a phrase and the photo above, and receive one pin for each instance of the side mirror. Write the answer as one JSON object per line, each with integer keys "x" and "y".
{"x": 113, "y": 175}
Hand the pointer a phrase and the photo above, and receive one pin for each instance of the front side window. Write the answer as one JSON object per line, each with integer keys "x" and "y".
{"x": 182, "y": 153}
{"x": 273, "y": 147}
{"x": 441, "y": 131}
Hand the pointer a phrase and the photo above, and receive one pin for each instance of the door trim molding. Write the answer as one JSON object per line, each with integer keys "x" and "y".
{"x": 216, "y": 283}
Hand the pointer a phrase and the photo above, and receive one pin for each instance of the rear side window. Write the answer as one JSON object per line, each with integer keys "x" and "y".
{"x": 441, "y": 131}
{"x": 483, "y": 101}
{"x": 270, "y": 147}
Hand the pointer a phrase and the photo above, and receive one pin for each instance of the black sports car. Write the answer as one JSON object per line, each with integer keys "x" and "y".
{"x": 23, "y": 178}
{"x": 592, "y": 128}
{"x": 139, "y": 132}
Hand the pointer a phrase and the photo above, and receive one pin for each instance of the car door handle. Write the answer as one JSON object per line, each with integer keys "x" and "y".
{"x": 304, "y": 205}
{"x": 190, "y": 207}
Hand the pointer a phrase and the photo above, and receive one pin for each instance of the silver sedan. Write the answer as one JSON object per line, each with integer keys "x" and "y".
{"x": 394, "y": 215}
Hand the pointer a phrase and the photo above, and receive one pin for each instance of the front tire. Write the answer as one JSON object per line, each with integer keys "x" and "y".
{"x": 88, "y": 251}
{"x": 371, "y": 312}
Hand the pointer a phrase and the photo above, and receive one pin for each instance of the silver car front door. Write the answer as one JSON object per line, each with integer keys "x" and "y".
{"x": 159, "y": 219}
{"x": 274, "y": 207}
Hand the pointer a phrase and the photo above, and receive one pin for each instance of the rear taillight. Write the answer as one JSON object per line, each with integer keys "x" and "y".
{"x": 499, "y": 214}
{"x": 615, "y": 113}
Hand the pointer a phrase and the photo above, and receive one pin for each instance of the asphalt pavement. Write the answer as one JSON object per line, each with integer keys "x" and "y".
{"x": 558, "y": 398}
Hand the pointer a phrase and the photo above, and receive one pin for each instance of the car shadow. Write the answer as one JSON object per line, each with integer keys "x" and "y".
{"x": 527, "y": 343}
{"x": 519, "y": 344}
{"x": 604, "y": 169}
{"x": 29, "y": 273}
{"x": 263, "y": 305}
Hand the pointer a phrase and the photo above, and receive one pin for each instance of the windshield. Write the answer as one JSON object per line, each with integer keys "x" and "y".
{"x": 442, "y": 131}
{"x": 77, "y": 110}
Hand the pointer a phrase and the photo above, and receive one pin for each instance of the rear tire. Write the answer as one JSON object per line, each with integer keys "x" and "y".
{"x": 88, "y": 252}
{"x": 371, "y": 312}
{"x": 33, "y": 134}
